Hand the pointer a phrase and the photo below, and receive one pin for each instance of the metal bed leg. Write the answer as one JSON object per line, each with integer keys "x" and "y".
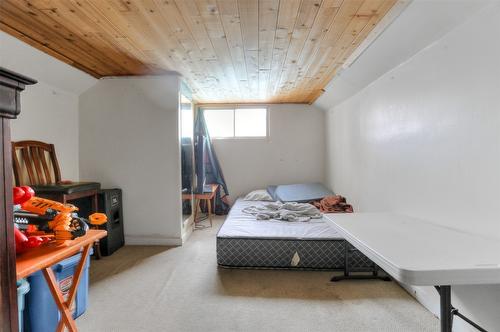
{"x": 347, "y": 271}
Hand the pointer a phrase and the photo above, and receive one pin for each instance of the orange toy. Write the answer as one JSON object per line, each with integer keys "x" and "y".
{"x": 57, "y": 218}
{"x": 97, "y": 219}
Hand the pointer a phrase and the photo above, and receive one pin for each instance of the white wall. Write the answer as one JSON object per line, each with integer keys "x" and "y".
{"x": 129, "y": 138}
{"x": 49, "y": 108}
{"x": 128, "y": 135}
{"x": 50, "y": 115}
{"x": 424, "y": 140}
{"x": 293, "y": 153}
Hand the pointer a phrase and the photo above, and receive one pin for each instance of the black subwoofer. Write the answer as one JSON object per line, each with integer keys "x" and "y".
{"x": 109, "y": 202}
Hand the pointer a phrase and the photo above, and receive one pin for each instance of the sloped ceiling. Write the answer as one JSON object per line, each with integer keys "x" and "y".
{"x": 419, "y": 25}
{"x": 227, "y": 50}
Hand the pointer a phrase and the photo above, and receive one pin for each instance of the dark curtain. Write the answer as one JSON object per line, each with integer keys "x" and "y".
{"x": 187, "y": 166}
{"x": 207, "y": 167}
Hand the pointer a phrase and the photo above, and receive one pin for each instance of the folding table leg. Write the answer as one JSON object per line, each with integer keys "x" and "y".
{"x": 64, "y": 306}
{"x": 448, "y": 311}
{"x": 66, "y": 318}
{"x": 446, "y": 308}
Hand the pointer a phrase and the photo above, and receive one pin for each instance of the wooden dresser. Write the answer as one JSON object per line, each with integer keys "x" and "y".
{"x": 11, "y": 85}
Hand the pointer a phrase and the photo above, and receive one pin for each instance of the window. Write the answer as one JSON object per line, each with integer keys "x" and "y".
{"x": 220, "y": 123}
{"x": 236, "y": 122}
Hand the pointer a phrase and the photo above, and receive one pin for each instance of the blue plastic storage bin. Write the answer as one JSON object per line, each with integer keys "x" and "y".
{"x": 41, "y": 314}
{"x": 23, "y": 287}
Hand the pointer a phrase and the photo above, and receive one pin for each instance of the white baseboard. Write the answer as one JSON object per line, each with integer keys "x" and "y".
{"x": 152, "y": 241}
{"x": 427, "y": 296}
{"x": 186, "y": 233}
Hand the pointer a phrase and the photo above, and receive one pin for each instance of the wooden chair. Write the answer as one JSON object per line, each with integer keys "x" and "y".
{"x": 35, "y": 164}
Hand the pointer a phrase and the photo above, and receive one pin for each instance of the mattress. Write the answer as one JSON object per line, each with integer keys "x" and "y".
{"x": 245, "y": 242}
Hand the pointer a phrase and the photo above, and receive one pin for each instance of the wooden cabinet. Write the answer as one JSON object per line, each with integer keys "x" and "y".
{"x": 11, "y": 85}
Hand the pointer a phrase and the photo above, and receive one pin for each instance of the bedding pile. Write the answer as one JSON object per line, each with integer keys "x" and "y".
{"x": 284, "y": 211}
{"x": 333, "y": 204}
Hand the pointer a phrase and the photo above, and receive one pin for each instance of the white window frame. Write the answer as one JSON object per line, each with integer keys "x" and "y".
{"x": 234, "y": 107}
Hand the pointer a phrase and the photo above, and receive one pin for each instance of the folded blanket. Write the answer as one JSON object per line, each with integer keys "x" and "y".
{"x": 284, "y": 211}
{"x": 333, "y": 204}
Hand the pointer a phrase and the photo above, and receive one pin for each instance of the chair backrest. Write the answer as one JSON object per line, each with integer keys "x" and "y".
{"x": 36, "y": 160}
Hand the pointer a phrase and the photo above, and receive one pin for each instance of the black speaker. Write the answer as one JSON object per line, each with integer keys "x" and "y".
{"x": 109, "y": 202}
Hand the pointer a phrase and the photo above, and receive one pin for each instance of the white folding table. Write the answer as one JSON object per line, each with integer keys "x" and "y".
{"x": 418, "y": 252}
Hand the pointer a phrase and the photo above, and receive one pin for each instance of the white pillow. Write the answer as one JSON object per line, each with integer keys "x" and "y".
{"x": 258, "y": 195}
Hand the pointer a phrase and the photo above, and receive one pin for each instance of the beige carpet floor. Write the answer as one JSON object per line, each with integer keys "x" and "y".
{"x": 181, "y": 289}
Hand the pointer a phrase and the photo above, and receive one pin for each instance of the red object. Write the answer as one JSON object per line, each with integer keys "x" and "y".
{"x": 21, "y": 240}
{"x": 20, "y": 237}
{"x": 24, "y": 242}
{"x": 17, "y": 195}
{"x": 33, "y": 242}
{"x": 22, "y": 194}
{"x": 28, "y": 193}
{"x": 31, "y": 229}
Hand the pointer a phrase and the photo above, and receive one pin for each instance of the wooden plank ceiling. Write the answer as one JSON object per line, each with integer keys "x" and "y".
{"x": 239, "y": 51}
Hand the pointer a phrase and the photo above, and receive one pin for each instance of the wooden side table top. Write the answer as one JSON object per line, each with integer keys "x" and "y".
{"x": 50, "y": 254}
{"x": 207, "y": 195}
{"x": 187, "y": 196}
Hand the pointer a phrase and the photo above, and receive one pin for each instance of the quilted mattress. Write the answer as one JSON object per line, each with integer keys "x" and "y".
{"x": 244, "y": 242}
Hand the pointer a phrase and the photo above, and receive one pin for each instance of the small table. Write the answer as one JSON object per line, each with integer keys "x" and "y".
{"x": 418, "y": 252}
{"x": 50, "y": 254}
{"x": 206, "y": 196}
